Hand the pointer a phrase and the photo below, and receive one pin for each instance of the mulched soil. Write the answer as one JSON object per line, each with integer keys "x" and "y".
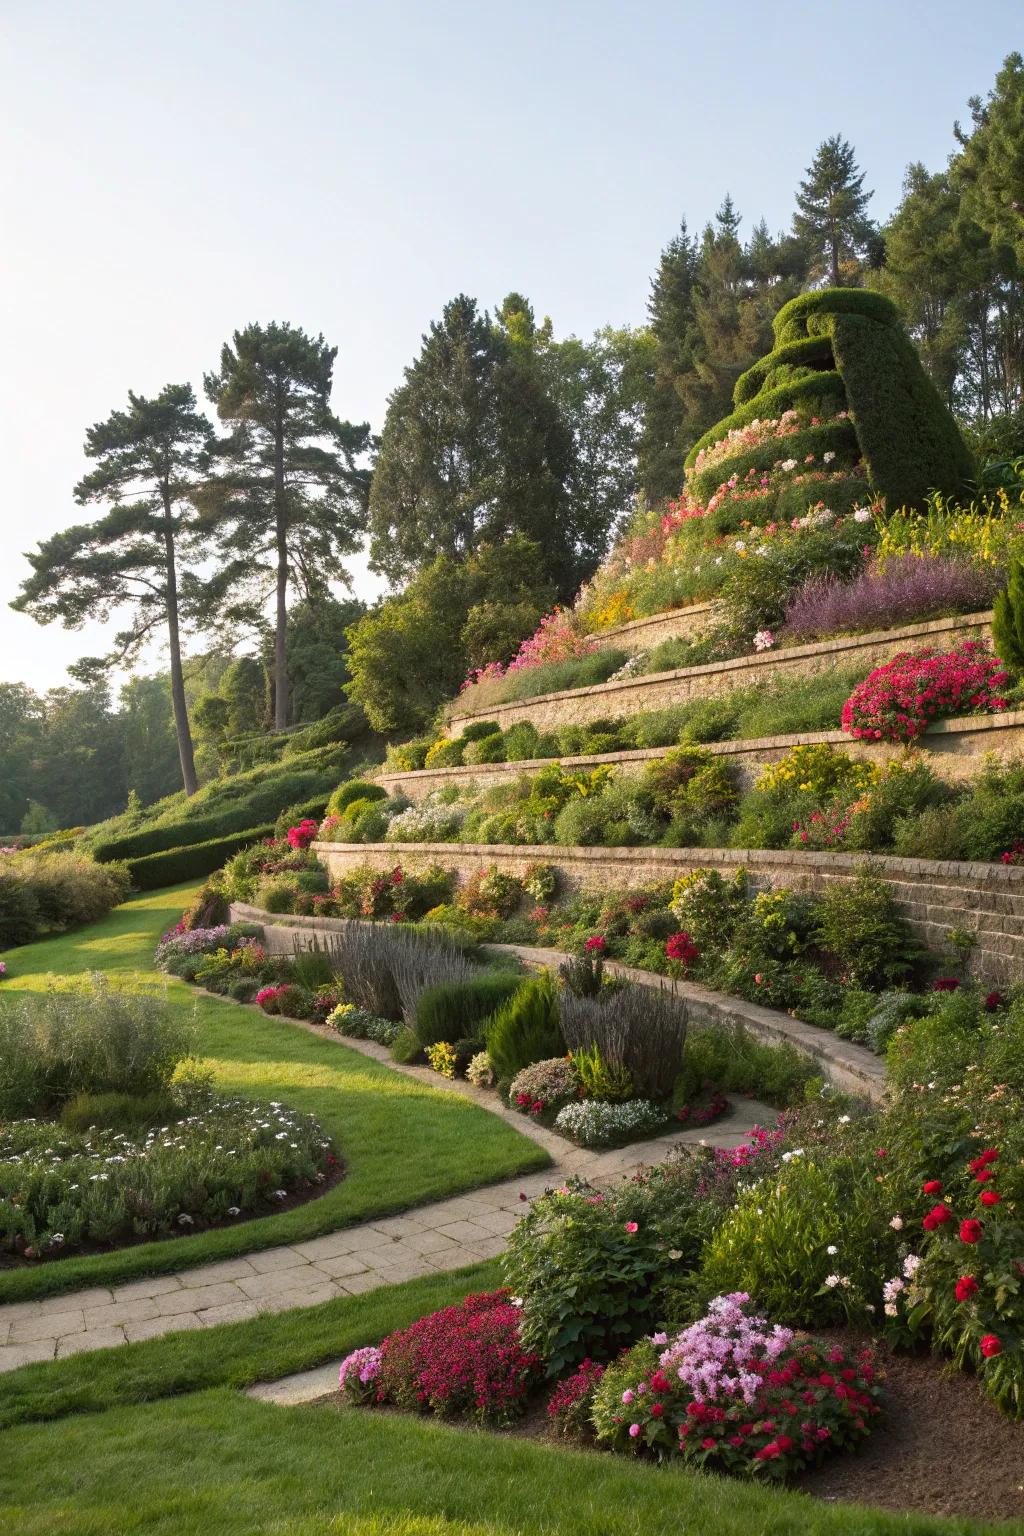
{"x": 941, "y": 1449}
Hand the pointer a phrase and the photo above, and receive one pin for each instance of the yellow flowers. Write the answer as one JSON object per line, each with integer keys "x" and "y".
{"x": 815, "y": 769}
{"x": 987, "y": 531}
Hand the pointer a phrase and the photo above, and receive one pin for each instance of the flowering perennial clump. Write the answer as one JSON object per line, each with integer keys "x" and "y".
{"x": 304, "y": 834}
{"x": 739, "y": 1394}
{"x": 899, "y": 700}
{"x": 465, "y": 1361}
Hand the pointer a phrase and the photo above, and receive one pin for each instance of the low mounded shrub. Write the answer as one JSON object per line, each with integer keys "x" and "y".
{"x": 899, "y": 700}
{"x": 459, "y": 1011}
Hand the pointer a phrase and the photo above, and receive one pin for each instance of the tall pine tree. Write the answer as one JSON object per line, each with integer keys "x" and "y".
{"x": 831, "y": 217}
{"x": 150, "y": 460}
{"x": 290, "y": 498}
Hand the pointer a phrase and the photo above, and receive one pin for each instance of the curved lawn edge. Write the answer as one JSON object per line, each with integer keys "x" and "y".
{"x": 236, "y": 1355}
{"x": 400, "y": 1152}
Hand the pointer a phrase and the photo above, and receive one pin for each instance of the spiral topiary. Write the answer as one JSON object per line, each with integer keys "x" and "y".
{"x": 842, "y": 402}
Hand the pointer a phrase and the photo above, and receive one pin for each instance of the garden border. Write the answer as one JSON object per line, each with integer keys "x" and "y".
{"x": 851, "y": 1067}
{"x": 936, "y": 896}
{"x": 954, "y": 748}
{"x": 657, "y": 690}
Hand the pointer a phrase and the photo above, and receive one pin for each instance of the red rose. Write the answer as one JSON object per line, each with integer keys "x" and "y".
{"x": 966, "y": 1287}
{"x": 990, "y": 1197}
{"x": 932, "y": 1187}
{"x": 708, "y": 1442}
{"x": 657, "y": 1410}
{"x": 970, "y": 1230}
{"x": 983, "y": 1174}
{"x": 937, "y": 1217}
{"x": 991, "y": 1346}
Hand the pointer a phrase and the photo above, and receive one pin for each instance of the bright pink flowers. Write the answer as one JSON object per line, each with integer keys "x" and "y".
{"x": 899, "y": 700}
{"x": 597, "y": 944}
{"x": 991, "y": 1345}
{"x": 304, "y": 834}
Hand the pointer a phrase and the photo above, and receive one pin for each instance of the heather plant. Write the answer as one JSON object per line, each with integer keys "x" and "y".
{"x": 898, "y": 701}
{"x": 466, "y": 1361}
{"x": 903, "y": 589}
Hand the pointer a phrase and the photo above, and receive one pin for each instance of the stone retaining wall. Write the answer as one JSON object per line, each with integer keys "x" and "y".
{"x": 954, "y": 747}
{"x": 628, "y": 696}
{"x": 642, "y": 634}
{"x": 937, "y": 897}
{"x": 850, "y": 1067}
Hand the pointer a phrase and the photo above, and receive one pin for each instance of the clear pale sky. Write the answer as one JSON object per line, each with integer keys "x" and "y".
{"x": 172, "y": 172}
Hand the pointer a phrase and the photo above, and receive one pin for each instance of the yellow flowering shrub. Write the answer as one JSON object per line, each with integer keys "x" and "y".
{"x": 816, "y": 769}
{"x": 987, "y": 531}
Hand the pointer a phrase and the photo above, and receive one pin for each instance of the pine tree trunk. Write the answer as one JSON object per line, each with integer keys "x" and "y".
{"x": 181, "y": 725}
{"x": 835, "y": 261}
{"x": 280, "y": 649}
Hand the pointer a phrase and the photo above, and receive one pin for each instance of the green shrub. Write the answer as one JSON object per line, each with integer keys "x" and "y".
{"x": 486, "y": 749}
{"x": 445, "y": 753}
{"x": 192, "y": 861}
{"x": 520, "y": 741}
{"x": 525, "y": 1029}
{"x": 734, "y": 1061}
{"x": 354, "y": 789}
{"x": 476, "y": 730}
{"x": 459, "y": 1011}
{"x": 859, "y": 924}
{"x": 19, "y": 909}
{"x": 86, "y": 1037}
{"x": 409, "y": 756}
{"x": 277, "y": 894}
{"x": 1008, "y": 621}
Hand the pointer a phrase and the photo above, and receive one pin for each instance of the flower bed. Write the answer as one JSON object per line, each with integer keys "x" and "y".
{"x": 65, "y": 1191}
{"x": 897, "y": 701}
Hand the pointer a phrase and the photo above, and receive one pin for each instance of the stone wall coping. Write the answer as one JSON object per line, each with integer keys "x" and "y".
{"x": 637, "y": 626}
{"x": 753, "y": 662}
{"x": 861, "y": 1069}
{"x": 927, "y": 870}
{"x": 965, "y": 725}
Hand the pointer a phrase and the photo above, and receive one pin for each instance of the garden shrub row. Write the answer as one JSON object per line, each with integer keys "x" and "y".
{"x": 46, "y": 891}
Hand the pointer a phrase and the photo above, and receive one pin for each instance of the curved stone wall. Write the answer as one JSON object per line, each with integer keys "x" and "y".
{"x": 936, "y": 897}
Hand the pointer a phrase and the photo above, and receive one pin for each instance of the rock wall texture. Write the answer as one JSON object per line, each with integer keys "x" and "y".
{"x": 986, "y": 900}
{"x": 627, "y": 696}
{"x": 641, "y": 634}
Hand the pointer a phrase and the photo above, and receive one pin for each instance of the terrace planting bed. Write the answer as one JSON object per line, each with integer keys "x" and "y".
{"x": 954, "y": 749}
{"x": 936, "y": 896}
{"x": 658, "y": 690}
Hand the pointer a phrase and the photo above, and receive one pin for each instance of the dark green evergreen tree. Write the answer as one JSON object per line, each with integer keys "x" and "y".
{"x": 665, "y": 438}
{"x": 150, "y": 458}
{"x": 831, "y": 217}
{"x": 289, "y": 498}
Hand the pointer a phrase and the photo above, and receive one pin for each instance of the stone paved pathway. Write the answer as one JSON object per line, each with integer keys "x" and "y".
{"x": 445, "y": 1235}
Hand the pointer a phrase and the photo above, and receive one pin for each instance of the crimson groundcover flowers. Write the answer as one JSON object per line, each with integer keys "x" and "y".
{"x": 899, "y": 700}
{"x": 465, "y": 1361}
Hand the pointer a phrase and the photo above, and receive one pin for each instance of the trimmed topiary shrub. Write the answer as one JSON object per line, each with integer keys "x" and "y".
{"x": 526, "y": 1028}
{"x": 845, "y": 368}
{"x": 355, "y": 789}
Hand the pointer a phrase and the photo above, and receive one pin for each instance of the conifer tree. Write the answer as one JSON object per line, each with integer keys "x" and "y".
{"x": 831, "y": 203}
{"x": 290, "y": 498}
{"x": 150, "y": 460}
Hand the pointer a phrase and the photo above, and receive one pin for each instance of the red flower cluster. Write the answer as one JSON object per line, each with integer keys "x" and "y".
{"x": 899, "y": 700}
{"x": 464, "y": 1361}
{"x": 681, "y": 947}
{"x": 801, "y": 1411}
{"x": 271, "y": 998}
{"x": 302, "y": 835}
{"x": 529, "y": 1105}
{"x": 596, "y": 944}
{"x": 971, "y": 1231}
{"x": 946, "y": 984}
{"x": 1014, "y": 854}
{"x": 568, "y": 1405}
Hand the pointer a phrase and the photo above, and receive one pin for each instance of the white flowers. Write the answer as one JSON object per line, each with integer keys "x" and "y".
{"x": 594, "y": 1124}
{"x": 862, "y": 514}
{"x": 831, "y": 1249}
{"x": 911, "y": 1265}
{"x": 845, "y": 1119}
{"x": 788, "y": 464}
{"x": 897, "y": 1223}
{"x": 764, "y": 640}
{"x": 843, "y": 1281}
{"x": 827, "y": 458}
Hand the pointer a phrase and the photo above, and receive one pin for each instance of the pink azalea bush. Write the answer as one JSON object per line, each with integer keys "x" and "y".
{"x": 898, "y": 701}
{"x": 556, "y": 638}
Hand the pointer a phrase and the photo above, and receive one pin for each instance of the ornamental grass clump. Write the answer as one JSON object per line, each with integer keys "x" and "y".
{"x": 637, "y": 1031}
{"x": 735, "y": 1393}
{"x": 463, "y": 1362}
{"x": 899, "y": 700}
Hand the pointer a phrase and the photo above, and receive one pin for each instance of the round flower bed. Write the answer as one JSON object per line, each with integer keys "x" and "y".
{"x": 63, "y": 1190}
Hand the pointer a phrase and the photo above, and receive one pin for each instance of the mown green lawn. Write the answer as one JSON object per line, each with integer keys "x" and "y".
{"x": 403, "y": 1143}
{"x": 216, "y": 1463}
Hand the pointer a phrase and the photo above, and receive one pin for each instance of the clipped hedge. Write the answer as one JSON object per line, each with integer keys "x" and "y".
{"x": 846, "y": 348}
{"x": 838, "y": 437}
{"x": 175, "y": 865}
